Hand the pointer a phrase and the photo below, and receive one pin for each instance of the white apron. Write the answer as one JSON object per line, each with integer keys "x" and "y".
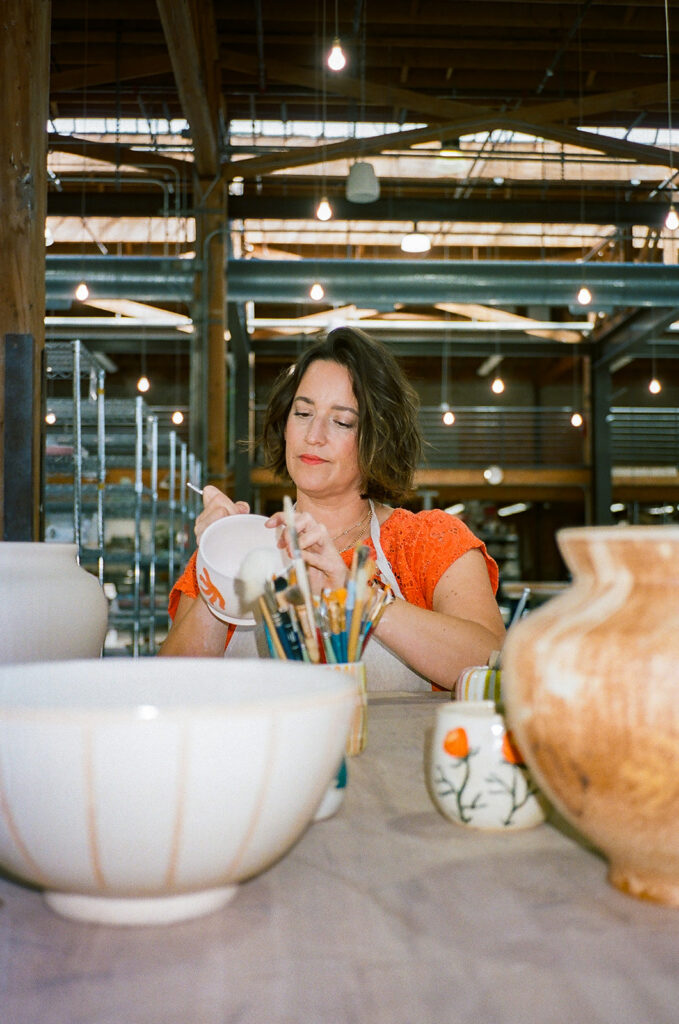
{"x": 384, "y": 669}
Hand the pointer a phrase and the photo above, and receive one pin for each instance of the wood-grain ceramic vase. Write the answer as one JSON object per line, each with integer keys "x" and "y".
{"x": 52, "y": 608}
{"x": 591, "y": 683}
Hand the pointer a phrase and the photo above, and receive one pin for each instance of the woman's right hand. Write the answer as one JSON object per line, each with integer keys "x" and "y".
{"x": 216, "y": 505}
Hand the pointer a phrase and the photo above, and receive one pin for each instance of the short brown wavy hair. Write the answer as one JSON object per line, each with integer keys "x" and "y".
{"x": 389, "y": 437}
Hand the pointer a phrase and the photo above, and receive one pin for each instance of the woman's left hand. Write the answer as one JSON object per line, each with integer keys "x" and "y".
{"x": 324, "y": 563}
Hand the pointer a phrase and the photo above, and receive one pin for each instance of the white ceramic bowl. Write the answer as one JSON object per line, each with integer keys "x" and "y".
{"x": 222, "y": 549}
{"x": 142, "y": 791}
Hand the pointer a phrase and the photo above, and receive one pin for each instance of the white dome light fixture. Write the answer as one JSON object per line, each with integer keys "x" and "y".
{"x": 493, "y": 475}
{"x": 415, "y": 241}
{"x": 362, "y": 183}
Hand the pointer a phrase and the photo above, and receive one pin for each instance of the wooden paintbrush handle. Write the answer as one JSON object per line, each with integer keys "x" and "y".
{"x": 275, "y": 639}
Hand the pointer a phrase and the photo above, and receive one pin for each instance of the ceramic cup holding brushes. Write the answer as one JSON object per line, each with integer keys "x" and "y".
{"x": 331, "y": 628}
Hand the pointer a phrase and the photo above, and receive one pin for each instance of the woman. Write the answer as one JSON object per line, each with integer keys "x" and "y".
{"x": 341, "y": 425}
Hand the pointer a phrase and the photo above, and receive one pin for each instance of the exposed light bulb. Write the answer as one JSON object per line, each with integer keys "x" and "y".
{"x": 324, "y": 209}
{"x": 82, "y": 292}
{"x": 654, "y": 386}
{"x": 143, "y": 384}
{"x": 584, "y": 296}
{"x": 576, "y": 419}
{"x": 498, "y": 386}
{"x": 672, "y": 219}
{"x": 336, "y": 58}
{"x": 50, "y": 418}
{"x": 448, "y": 418}
{"x": 177, "y": 417}
{"x": 316, "y": 292}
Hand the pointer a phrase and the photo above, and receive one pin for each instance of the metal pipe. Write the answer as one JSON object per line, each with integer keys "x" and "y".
{"x": 376, "y": 283}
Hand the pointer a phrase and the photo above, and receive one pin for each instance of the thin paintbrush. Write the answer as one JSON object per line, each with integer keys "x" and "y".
{"x": 334, "y": 605}
{"x": 383, "y": 598}
{"x": 324, "y": 628}
{"x": 279, "y": 585}
{"x": 302, "y": 579}
{"x": 364, "y": 569}
{"x": 295, "y": 598}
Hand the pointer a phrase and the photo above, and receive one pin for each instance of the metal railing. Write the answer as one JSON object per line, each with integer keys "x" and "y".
{"x": 542, "y": 436}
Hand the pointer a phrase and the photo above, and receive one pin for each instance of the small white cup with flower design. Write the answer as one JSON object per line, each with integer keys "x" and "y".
{"x": 476, "y": 774}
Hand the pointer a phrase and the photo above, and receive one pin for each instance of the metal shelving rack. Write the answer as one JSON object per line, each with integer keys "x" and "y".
{"x": 124, "y": 433}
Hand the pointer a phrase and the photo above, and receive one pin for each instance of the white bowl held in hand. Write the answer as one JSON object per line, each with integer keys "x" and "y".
{"x": 222, "y": 550}
{"x": 143, "y": 792}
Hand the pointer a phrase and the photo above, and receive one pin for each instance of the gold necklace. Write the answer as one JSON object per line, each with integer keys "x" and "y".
{"x": 350, "y": 529}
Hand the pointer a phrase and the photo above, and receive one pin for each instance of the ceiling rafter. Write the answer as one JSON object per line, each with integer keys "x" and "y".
{"x": 113, "y": 153}
{"x": 190, "y": 33}
{"x": 103, "y": 74}
{"x": 536, "y": 119}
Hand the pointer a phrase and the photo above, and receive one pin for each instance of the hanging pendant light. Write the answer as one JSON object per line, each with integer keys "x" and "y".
{"x": 82, "y": 292}
{"x": 584, "y": 295}
{"x": 324, "y": 209}
{"x": 415, "y": 241}
{"x": 316, "y": 292}
{"x": 362, "y": 183}
{"x": 497, "y": 386}
{"x": 576, "y": 419}
{"x": 143, "y": 384}
{"x": 447, "y": 415}
{"x": 336, "y": 59}
{"x": 672, "y": 219}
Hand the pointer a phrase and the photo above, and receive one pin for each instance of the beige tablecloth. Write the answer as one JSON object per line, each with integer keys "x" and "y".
{"x": 384, "y": 914}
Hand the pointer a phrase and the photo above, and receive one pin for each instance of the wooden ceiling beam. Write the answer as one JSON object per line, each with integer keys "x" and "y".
{"x": 138, "y": 66}
{"x": 112, "y": 153}
{"x": 472, "y": 118}
{"x": 190, "y": 34}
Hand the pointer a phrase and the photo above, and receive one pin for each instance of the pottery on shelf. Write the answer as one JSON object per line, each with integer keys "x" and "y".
{"x": 52, "y": 608}
{"x": 590, "y": 683}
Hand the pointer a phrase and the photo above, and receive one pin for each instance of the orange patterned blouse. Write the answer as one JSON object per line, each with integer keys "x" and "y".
{"x": 419, "y": 546}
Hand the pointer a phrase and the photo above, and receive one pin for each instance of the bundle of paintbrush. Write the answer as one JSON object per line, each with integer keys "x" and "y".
{"x": 333, "y": 628}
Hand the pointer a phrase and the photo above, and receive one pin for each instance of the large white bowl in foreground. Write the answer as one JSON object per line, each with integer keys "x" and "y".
{"x": 142, "y": 791}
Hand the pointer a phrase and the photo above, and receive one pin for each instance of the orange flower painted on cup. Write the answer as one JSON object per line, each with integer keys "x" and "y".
{"x": 210, "y": 591}
{"x": 510, "y": 751}
{"x": 456, "y": 743}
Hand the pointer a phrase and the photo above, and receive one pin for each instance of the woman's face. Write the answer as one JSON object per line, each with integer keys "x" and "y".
{"x": 321, "y": 433}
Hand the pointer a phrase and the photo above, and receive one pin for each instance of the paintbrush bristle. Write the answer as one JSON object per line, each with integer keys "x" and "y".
{"x": 259, "y": 566}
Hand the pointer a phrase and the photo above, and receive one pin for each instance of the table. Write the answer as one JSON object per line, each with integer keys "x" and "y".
{"x": 386, "y": 913}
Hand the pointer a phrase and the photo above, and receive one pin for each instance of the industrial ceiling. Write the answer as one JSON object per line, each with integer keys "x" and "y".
{"x": 532, "y": 143}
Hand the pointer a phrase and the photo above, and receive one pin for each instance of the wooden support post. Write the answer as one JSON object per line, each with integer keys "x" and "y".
{"x": 208, "y": 385}
{"x": 24, "y": 76}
